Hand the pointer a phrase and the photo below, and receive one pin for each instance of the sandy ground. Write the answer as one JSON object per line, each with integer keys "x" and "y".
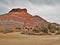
{"x": 20, "y": 39}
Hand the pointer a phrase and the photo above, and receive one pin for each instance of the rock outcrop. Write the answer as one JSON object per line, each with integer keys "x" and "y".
{"x": 19, "y": 19}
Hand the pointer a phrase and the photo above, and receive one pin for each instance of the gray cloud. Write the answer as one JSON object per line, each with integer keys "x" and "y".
{"x": 47, "y": 2}
{"x": 48, "y": 9}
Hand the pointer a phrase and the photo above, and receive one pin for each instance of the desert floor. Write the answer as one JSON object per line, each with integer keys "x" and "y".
{"x": 20, "y": 39}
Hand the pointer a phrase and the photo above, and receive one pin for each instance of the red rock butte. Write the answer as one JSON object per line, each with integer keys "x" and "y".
{"x": 18, "y": 10}
{"x": 21, "y": 18}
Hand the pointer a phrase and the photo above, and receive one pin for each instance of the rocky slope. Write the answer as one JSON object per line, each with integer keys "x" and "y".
{"x": 19, "y": 19}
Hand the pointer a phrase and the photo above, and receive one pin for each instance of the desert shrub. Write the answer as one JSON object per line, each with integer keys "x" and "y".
{"x": 1, "y": 30}
{"x": 44, "y": 30}
{"x": 22, "y": 32}
{"x": 49, "y": 26}
{"x": 18, "y": 28}
{"x": 26, "y": 28}
{"x": 58, "y": 31}
{"x": 35, "y": 30}
{"x": 31, "y": 33}
{"x": 30, "y": 28}
{"x": 52, "y": 31}
{"x": 7, "y": 31}
{"x": 52, "y": 28}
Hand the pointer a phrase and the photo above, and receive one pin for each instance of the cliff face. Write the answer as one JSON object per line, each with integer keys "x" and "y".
{"x": 20, "y": 18}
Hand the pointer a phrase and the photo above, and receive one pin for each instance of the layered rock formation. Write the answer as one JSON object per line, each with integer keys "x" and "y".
{"x": 19, "y": 19}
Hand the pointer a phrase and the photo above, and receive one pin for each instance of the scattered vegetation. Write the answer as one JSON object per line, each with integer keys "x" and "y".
{"x": 35, "y": 31}
{"x": 44, "y": 30}
{"x": 54, "y": 29}
{"x": 18, "y": 28}
{"x": 51, "y": 28}
{"x": 9, "y": 30}
{"x": 58, "y": 30}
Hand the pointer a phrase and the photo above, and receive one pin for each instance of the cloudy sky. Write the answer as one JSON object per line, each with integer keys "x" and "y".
{"x": 47, "y": 9}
